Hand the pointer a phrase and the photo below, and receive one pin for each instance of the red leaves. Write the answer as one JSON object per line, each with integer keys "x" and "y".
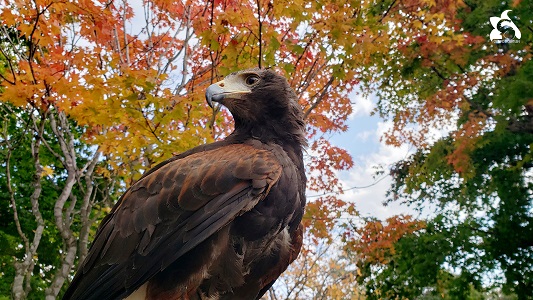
{"x": 443, "y": 66}
{"x": 465, "y": 140}
{"x": 323, "y": 214}
{"x": 374, "y": 242}
{"x": 325, "y": 161}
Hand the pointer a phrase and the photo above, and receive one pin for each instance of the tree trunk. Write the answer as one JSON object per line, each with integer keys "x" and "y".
{"x": 62, "y": 130}
{"x": 24, "y": 268}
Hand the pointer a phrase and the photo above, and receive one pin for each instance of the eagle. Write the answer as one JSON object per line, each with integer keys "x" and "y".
{"x": 219, "y": 221}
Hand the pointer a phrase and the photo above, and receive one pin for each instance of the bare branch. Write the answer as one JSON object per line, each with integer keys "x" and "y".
{"x": 24, "y": 267}
{"x": 319, "y": 98}
{"x": 188, "y": 34}
{"x": 86, "y": 206}
{"x": 117, "y": 45}
{"x": 10, "y": 188}
{"x": 387, "y": 11}
{"x": 61, "y": 129}
{"x": 11, "y": 68}
{"x": 260, "y": 37}
{"x": 126, "y": 44}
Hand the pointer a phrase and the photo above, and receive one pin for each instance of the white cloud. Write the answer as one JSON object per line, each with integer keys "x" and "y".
{"x": 370, "y": 194}
{"x": 362, "y": 106}
{"x": 364, "y": 135}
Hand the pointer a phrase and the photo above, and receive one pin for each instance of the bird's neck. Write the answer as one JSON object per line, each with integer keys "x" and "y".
{"x": 291, "y": 139}
{"x": 289, "y": 136}
{"x": 272, "y": 132}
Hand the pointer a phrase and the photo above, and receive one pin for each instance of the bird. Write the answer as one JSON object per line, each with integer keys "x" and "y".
{"x": 219, "y": 221}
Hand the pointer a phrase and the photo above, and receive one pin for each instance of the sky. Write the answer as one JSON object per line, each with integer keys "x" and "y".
{"x": 362, "y": 140}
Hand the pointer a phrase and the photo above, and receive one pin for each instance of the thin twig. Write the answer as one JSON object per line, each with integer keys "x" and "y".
{"x": 321, "y": 97}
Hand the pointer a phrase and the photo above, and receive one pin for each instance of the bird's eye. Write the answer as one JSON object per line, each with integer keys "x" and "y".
{"x": 251, "y": 80}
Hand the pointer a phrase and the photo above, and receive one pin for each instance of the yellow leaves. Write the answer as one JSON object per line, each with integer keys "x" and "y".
{"x": 18, "y": 97}
{"x": 117, "y": 95}
{"x": 39, "y": 21}
{"x": 344, "y": 287}
{"x": 323, "y": 272}
{"x": 104, "y": 172}
{"x": 7, "y": 17}
{"x": 429, "y": 3}
{"x": 47, "y": 171}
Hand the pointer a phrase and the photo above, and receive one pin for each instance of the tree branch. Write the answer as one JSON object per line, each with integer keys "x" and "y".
{"x": 260, "y": 58}
{"x": 86, "y": 206}
{"x": 320, "y": 98}
{"x": 62, "y": 131}
{"x": 10, "y": 190}
{"x": 24, "y": 267}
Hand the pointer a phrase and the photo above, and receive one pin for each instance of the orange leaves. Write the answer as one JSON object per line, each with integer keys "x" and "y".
{"x": 324, "y": 214}
{"x": 439, "y": 77}
{"x": 325, "y": 161}
{"x": 77, "y": 57}
{"x": 38, "y": 61}
{"x": 374, "y": 242}
{"x": 318, "y": 220}
{"x": 19, "y": 96}
{"x": 8, "y": 18}
{"x": 465, "y": 141}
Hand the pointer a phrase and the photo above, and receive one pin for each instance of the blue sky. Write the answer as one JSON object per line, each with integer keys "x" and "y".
{"x": 362, "y": 140}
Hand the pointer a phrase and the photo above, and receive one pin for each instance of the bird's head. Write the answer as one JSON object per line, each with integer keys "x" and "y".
{"x": 259, "y": 99}
{"x": 253, "y": 94}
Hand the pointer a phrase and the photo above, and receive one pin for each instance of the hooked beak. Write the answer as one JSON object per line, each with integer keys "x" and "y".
{"x": 214, "y": 93}
{"x": 230, "y": 88}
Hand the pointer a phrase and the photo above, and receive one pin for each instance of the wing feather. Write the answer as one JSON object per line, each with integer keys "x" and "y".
{"x": 169, "y": 212}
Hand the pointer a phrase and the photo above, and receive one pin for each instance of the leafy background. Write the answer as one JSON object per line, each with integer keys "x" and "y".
{"x": 93, "y": 93}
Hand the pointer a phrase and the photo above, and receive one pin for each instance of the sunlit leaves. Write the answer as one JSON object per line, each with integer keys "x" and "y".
{"x": 463, "y": 101}
{"x": 374, "y": 243}
{"x": 131, "y": 76}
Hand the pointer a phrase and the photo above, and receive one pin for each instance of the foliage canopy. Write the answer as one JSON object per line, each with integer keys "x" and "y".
{"x": 93, "y": 93}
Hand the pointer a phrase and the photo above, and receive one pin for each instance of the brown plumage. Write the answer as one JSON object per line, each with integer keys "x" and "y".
{"x": 220, "y": 221}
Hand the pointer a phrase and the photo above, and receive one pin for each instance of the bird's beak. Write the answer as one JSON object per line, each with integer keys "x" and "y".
{"x": 214, "y": 93}
{"x": 230, "y": 88}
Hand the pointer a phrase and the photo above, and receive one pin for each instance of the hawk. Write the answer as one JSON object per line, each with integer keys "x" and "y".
{"x": 219, "y": 221}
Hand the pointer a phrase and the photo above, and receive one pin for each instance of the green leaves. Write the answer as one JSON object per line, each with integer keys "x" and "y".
{"x": 138, "y": 98}
{"x": 515, "y": 91}
{"x": 446, "y": 76}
